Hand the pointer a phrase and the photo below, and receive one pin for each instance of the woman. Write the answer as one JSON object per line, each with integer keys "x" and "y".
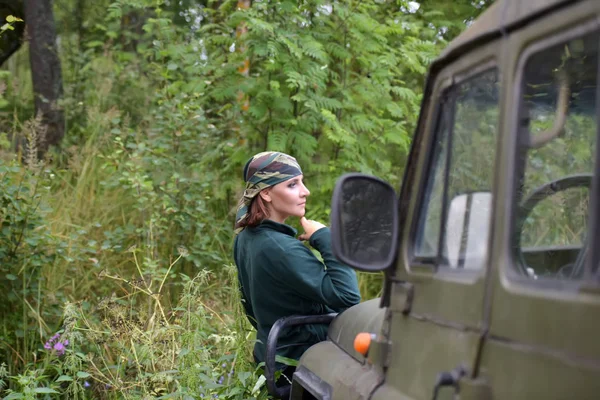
{"x": 279, "y": 276}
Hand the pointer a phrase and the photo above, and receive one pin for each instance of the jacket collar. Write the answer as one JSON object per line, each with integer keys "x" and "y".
{"x": 276, "y": 226}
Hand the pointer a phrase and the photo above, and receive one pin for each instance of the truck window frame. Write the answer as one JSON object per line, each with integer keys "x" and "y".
{"x": 443, "y": 97}
{"x": 510, "y": 271}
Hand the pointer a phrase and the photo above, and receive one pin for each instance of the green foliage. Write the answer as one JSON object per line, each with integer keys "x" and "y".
{"x": 10, "y": 20}
{"x": 8, "y": 26}
{"x": 560, "y": 219}
{"x": 450, "y": 18}
{"x": 128, "y": 346}
{"x": 26, "y": 247}
{"x": 326, "y": 88}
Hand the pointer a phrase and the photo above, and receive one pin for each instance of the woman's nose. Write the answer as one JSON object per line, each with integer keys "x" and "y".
{"x": 306, "y": 192}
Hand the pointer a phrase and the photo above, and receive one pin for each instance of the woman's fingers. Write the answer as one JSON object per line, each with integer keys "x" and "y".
{"x": 304, "y": 222}
{"x": 309, "y": 227}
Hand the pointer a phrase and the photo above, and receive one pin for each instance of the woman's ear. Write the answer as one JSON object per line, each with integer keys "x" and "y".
{"x": 265, "y": 195}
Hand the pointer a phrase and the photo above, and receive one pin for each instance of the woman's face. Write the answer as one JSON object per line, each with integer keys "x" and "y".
{"x": 286, "y": 199}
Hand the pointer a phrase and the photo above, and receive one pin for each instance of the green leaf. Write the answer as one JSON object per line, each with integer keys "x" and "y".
{"x": 334, "y": 131}
{"x": 277, "y": 141}
{"x": 44, "y": 390}
{"x": 235, "y": 390}
{"x": 243, "y": 376}
{"x": 209, "y": 383}
{"x": 260, "y": 25}
{"x": 94, "y": 43}
{"x": 13, "y": 396}
{"x": 395, "y": 110}
{"x": 11, "y": 277}
{"x": 286, "y": 361}
{"x": 259, "y": 383}
{"x": 82, "y": 375}
{"x": 64, "y": 378}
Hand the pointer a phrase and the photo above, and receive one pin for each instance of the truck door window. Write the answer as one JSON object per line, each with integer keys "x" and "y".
{"x": 557, "y": 139}
{"x": 454, "y": 218}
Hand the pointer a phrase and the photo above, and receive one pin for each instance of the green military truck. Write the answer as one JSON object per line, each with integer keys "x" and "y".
{"x": 492, "y": 285}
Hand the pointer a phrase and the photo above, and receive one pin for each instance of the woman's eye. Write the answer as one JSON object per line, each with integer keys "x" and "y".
{"x": 291, "y": 185}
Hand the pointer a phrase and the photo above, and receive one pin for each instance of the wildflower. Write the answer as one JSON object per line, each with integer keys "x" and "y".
{"x": 59, "y": 348}
{"x": 224, "y": 365}
{"x": 54, "y": 343}
{"x": 221, "y": 380}
{"x": 86, "y": 384}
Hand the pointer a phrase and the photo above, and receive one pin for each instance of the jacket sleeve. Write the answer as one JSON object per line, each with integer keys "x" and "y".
{"x": 334, "y": 284}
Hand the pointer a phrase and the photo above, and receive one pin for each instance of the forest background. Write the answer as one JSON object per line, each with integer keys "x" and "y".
{"x": 119, "y": 177}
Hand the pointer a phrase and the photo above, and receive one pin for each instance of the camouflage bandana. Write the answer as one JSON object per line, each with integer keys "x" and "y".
{"x": 262, "y": 171}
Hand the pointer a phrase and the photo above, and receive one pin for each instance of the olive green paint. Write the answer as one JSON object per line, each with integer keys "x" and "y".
{"x": 517, "y": 338}
{"x": 365, "y": 317}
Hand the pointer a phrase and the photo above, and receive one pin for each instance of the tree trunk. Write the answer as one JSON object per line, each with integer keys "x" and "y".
{"x": 45, "y": 71}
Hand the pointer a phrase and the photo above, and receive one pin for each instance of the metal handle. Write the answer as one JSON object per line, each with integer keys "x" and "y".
{"x": 278, "y": 326}
{"x": 562, "y": 109}
{"x": 449, "y": 379}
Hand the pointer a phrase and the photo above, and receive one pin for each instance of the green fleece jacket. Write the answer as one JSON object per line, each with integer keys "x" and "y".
{"x": 279, "y": 276}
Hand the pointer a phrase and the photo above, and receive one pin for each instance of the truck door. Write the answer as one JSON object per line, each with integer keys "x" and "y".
{"x": 437, "y": 293}
{"x": 544, "y": 326}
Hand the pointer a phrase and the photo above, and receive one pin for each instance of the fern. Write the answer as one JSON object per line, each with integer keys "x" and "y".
{"x": 362, "y": 123}
{"x": 303, "y": 144}
{"x": 313, "y": 49}
{"x": 337, "y": 51}
{"x": 260, "y": 26}
{"x": 291, "y": 46}
{"x": 277, "y": 141}
{"x": 340, "y": 90}
{"x": 322, "y": 102}
{"x": 115, "y": 11}
{"x": 334, "y": 130}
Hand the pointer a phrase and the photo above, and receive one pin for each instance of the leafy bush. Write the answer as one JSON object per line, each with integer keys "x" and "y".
{"x": 27, "y": 246}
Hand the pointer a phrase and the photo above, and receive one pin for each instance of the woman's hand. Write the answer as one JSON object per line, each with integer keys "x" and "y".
{"x": 309, "y": 227}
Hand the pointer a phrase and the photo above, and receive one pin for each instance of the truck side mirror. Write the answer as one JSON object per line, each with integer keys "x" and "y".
{"x": 364, "y": 222}
{"x": 468, "y": 229}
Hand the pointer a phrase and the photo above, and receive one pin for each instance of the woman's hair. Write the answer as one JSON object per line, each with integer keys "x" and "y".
{"x": 257, "y": 213}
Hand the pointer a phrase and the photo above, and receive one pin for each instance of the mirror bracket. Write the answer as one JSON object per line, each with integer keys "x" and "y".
{"x": 402, "y": 296}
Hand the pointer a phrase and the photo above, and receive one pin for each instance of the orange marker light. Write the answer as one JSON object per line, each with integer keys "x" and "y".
{"x": 362, "y": 342}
